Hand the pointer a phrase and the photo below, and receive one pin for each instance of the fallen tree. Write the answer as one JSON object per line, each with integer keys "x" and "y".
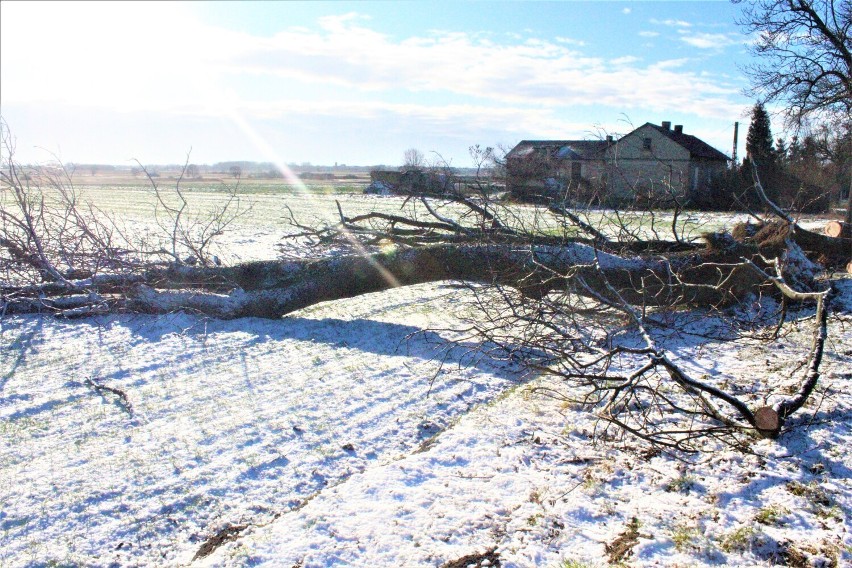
{"x": 549, "y": 291}
{"x": 272, "y": 289}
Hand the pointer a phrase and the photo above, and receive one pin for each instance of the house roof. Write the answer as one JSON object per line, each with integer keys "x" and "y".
{"x": 567, "y": 149}
{"x": 592, "y": 149}
{"x": 697, "y": 148}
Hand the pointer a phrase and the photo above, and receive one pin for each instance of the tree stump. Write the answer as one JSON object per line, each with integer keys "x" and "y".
{"x": 837, "y": 229}
{"x": 767, "y": 422}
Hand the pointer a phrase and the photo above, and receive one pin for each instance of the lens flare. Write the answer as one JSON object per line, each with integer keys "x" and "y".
{"x": 271, "y": 156}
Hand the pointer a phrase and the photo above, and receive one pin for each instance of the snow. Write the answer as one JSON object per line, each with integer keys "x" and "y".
{"x": 335, "y": 436}
{"x": 378, "y": 188}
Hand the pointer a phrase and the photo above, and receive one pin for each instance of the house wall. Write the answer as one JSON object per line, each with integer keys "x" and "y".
{"x": 628, "y": 169}
{"x": 548, "y": 178}
{"x": 703, "y": 171}
{"x": 632, "y": 166}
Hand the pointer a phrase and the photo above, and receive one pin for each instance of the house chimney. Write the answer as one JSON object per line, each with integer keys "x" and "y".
{"x": 667, "y": 125}
{"x": 678, "y": 128}
{"x": 609, "y": 139}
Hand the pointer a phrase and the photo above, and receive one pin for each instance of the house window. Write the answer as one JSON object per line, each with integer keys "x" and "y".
{"x": 646, "y": 144}
{"x": 576, "y": 171}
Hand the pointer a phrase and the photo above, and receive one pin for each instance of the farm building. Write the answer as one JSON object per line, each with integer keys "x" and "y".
{"x": 651, "y": 160}
{"x": 546, "y": 168}
{"x": 408, "y": 181}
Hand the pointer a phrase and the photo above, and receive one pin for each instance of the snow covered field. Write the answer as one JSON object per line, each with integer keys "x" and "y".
{"x": 333, "y": 437}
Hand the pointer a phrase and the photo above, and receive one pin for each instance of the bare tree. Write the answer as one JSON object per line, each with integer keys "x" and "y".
{"x": 805, "y": 55}
{"x": 413, "y": 159}
{"x": 60, "y": 254}
{"x": 46, "y": 233}
{"x": 804, "y": 48}
{"x": 187, "y": 236}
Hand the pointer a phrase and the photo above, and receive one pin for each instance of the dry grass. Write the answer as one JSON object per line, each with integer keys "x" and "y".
{"x": 106, "y": 178}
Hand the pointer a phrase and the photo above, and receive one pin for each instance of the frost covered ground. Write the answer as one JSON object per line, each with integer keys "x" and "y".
{"x": 332, "y": 437}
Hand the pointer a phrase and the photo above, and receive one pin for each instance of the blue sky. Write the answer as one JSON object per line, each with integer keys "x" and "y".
{"x": 359, "y": 82}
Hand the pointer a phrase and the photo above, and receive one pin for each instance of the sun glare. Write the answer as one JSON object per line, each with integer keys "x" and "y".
{"x": 270, "y": 155}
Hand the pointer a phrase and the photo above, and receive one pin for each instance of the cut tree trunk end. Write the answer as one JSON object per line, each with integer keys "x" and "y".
{"x": 837, "y": 229}
{"x": 767, "y": 422}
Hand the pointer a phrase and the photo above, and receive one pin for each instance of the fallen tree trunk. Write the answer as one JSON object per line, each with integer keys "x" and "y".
{"x": 271, "y": 289}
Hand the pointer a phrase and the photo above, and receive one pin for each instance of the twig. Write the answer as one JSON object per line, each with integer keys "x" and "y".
{"x": 123, "y": 400}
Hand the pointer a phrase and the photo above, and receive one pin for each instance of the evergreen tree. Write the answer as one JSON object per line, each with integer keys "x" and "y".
{"x": 810, "y": 152}
{"x": 759, "y": 138}
{"x": 794, "y": 152}
{"x": 781, "y": 157}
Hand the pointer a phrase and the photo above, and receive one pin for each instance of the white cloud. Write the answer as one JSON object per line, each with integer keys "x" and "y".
{"x": 473, "y": 116}
{"x": 158, "y": 58}
{"x": 626, "y": 10}
{"x": 709, "y": 41}
{"x": 570, "y": 41}
{"x": 535, "y": 71}
{"x": 671, "y": 23}
{"x": 670, "y": 63}
{"x": 123, "y": 54}
{"x": 338, "y": 22}
{"x": 649, "y": 34}
{"x": 626, "y": 60}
